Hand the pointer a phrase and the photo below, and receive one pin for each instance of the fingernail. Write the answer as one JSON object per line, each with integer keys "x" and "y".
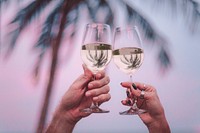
{"x": 95, "y": 98}
{"x": 123, "y": 102}
{"x": 134, "y": 86}
{"x": 90, "y": 85}
{"x": 129, "y": 102}
{"x": 128, "y": 93}
{"x": 88, "y": 94}
{"x": 98, "y": 76}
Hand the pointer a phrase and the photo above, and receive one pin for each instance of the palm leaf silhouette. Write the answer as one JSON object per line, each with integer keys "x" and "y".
{"x": 190, "y": 9}
{"x": 65, "y": 16}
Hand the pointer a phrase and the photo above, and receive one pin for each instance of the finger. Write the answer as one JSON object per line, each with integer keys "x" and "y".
{"x": 128, "y": 93}
{"x": 136, "y": 88}
{"x": 141, "y": 94}
{"x": 99, "y": 83}
{"x": 124, "y": 102}
{"x": 130, "y": 102}
{"x": 126, "y": 84}
{"x": 143, "y": 86}
{"x": 127, "y": 102}
{"x": 102, "y": 98}
{"x": 100, "y": 75}
{"x": 98, "y": 91}
{"x": 87, "y": 72}
{"x": 82, "y": 80}
{"x": 137, "y": 85}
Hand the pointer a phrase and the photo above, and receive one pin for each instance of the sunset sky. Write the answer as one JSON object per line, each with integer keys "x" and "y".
{"x": 178, "y": 88}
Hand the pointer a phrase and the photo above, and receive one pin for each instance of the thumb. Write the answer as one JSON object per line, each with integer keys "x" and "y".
{"x": 84, "y": 79}
{"x": 87, "y": 72}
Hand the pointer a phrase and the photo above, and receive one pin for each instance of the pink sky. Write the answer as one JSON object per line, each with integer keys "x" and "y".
{"x": 179, "y": 89}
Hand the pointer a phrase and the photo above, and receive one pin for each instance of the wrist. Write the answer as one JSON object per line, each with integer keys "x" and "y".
{"x": 62, "y": 121}
{"x": 69, "y": 116}
{"x": 158, "y": 125}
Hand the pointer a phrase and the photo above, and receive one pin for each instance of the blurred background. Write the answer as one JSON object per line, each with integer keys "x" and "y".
{"x": 40, "y": 45}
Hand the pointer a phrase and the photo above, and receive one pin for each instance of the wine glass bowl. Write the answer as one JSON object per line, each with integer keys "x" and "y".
{"x": 96, "y": 53}
{"x": 96, "y": 56}
{"x": 128, "y": 56}
{"x": 128, "y": 59}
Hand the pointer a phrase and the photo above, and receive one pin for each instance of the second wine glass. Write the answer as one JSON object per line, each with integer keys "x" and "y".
{"x": 128, "y": 56}
{"x": 96, "y": 53}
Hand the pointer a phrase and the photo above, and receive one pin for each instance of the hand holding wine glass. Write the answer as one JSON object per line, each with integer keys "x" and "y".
{"x": 128, "y": 56}
{"x": 96, "y": 53}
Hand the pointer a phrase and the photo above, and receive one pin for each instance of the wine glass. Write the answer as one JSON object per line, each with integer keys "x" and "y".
{"x": 128, "y": 56}
{"x": 96, "y": 53}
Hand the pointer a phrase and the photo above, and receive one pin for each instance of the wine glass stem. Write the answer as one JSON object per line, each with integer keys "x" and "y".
{"x": 131, "y": 76}
{"x": 94, "y": 104}
{"x": 135, "y": 98}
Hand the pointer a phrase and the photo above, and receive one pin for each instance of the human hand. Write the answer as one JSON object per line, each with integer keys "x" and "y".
{"x": 154, "y": 118}
{"x": 82, "y": 92}
{"x": 79, "y": 96}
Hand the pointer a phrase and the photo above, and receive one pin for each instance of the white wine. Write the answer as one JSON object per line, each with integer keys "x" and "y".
{"x": 128, "y": 59}
{"x": 96, "y": 55}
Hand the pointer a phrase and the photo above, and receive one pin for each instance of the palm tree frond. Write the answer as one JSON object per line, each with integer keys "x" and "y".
{"x": 36, "y": 70}
{"x": 45, "y": 40}
{"x": 164, "y": 59}
{"x": 72, "y": 17}
{"x": 13, "y": 36}
{"x": 28, "y": 13}
{"x": 93, "y": 7}
{"x": 4, "y": 2}
{"x": 47, "y": 31}
{"x": 195, "y": 15}
{"x": 189, "y": 9}
{"x": 109, "y": 18}
{"x": 7, "y": 2}
{"x": 25, "y": 16}
{"x": 134, "y": 17}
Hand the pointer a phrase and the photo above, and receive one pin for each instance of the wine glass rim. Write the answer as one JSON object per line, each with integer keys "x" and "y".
{"x": 126, "y": 28}
{"x": 93, "y": 25}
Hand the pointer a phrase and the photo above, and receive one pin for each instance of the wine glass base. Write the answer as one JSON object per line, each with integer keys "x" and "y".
{"x": 132, "y": 111}
{"x": 94, "y": 110}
